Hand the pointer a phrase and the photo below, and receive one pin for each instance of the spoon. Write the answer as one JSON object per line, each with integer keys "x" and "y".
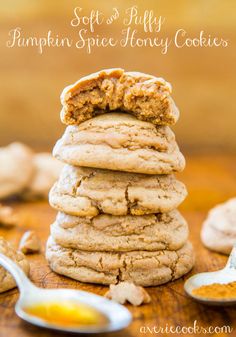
{"x": 223, "y": 276}
{"x": 117, "y": 316}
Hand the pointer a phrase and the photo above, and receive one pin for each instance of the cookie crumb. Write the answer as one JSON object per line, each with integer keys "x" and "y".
{"x": 7, "y": 216}
{"x": 128, "y": 292}
{"x": 29, "y": 243}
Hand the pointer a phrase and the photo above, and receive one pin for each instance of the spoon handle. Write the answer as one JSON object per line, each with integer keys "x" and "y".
{"x": 21, "y": 279}
{"x": 231, "y": 263}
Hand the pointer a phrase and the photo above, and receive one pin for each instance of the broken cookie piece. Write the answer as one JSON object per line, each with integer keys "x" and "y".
{"x": 29, "y": 243}
{"x": 128, "y": 292}
{"x": 6, "y": 280}
{"x": 47, "y": 170}
{"x": 146, "y": 97}
{"x": 16, "y": 169}
{"x": 7, "y": 217}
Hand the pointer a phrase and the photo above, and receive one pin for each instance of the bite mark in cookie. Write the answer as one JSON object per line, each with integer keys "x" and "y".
{"x": 146, "y": 97}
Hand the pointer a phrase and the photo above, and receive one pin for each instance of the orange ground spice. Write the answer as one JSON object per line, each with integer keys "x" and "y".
{"x": 217, "y": 291}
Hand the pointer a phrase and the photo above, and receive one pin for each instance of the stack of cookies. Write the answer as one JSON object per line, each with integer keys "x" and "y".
{"x": 117, "y": 195}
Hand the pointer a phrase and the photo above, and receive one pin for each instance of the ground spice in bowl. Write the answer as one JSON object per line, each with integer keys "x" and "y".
{"x": 217, "y": 291}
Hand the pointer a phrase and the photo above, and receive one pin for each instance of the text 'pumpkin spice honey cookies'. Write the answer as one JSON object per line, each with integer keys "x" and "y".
{"x": 117, "y": 194}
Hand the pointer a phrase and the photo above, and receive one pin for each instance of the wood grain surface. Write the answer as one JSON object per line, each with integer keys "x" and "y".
{"x": 209, "y": 180}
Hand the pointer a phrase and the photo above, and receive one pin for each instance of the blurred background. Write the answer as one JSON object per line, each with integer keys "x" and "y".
{"x": 203, "y": 79}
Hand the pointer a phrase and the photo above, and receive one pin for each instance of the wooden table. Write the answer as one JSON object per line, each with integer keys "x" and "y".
{"x": 210, "y": 179}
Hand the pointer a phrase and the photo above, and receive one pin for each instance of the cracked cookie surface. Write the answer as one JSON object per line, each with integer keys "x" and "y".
{"x": 145, "y": 96}
{"x": 142, "y": 267}
{"x": 119, "y": 141}
{"x": 84, "y": 191}
{"x": 121, "y": 233}
{"x": 6, "y": 280}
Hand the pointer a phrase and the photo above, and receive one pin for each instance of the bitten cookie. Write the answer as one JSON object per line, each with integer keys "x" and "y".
{"x": 117, "y": 141}
{"x": 219, "y": 229}
{"x": 83, "y": 191}
{"x": 145, "y": 96}
{"x": 121, "y": 233}
{"x": 142, "y": 267}
{"x": 16, "y": 169}
{"x": 6, "y": 280}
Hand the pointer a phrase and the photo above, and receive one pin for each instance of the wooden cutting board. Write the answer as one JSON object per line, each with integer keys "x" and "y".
{"x": 209, "y": 180}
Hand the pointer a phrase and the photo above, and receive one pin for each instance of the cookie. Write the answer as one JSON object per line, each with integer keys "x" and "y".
{"x": 128, "y": 292}
{"x": 47, "y": 170}
{"x": 119, "y": 141}
{"x": 121, "y": 233}
{"x": 16, "y": 169}
{"x": 142, "y": 267}
{"x": 30, "y": 243}
{"x": 146, "y": 97}
{"x": 84, "y": 191}
{"x": 219, "y": 229}
{"x": 6, "y": 280}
